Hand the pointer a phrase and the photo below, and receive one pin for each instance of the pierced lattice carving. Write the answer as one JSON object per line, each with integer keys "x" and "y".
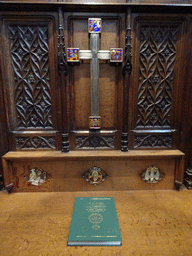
{"x": 30, "y": 61}
{"x": 157, "y": 56}
{"x": 35, "y": 142}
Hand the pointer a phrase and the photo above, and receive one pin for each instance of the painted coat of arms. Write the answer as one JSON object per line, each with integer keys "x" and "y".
{"x": 116, "y": 55}
{"x": 94, "y": 25}
{"x": 94, "y": 122}
{"x": 73, "y": 54}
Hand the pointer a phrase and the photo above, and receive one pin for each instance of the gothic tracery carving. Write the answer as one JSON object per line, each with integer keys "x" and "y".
{"x": 30, "y": 61}
{"x": 153, "y": 141}
{"x": 35, "y": 142}
{"x": 157, "y": 56}
{"x": 94, "y": 142}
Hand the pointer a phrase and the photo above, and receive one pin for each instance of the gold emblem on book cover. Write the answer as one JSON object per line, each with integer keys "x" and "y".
{"x": 96, "y": 208}
{"x": 95, "y": 218}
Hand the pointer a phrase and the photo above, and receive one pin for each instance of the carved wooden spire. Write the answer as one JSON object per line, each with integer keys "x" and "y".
{"x": 62, "y": 63}
{"x": 63, "y": 72}
{"x": 127, "y": 68}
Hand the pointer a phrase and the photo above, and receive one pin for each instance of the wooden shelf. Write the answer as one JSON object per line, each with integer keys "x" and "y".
{"x": 66, "y": 169}
{"x": 58, "y": 155}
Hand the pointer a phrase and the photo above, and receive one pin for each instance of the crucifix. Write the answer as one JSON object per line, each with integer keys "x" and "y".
{"x": 94, "y": 55}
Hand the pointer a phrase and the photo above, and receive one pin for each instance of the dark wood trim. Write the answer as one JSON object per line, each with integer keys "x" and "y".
{"x": 186, "y": 120}
{"x": 179, "y": 172}
{"x": 141, "y": 6}
{"x": 127, "y": 68}
{"x": 63, "y": 72}
{"x": 4, "y": 143}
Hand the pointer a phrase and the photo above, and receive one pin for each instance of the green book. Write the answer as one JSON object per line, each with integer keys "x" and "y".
{"x": 94, "y": 222}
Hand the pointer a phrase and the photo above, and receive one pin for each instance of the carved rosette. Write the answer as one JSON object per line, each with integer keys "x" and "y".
{"x": 29, "y": 52}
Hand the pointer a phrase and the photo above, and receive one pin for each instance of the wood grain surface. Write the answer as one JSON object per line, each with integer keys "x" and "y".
{"x": 65, "y": 171}
{"x": 152, "y": 224}
{"x": 134, "y": 154}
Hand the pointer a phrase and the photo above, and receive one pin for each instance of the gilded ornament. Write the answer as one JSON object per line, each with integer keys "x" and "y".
{"x": 152, "y": 175}
{"x": 95, "y": 175}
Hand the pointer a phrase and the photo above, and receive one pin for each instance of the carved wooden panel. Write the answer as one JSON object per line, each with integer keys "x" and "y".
{"x": 92, "y": 142}
{"x": 30, "y": 61}
{"x": 30, "y": 82}
{"x": 45, "y": 142}
{"x": 158, "y": 47}
{"x": 157, "y": 59}
{"x": 153, "y": 141}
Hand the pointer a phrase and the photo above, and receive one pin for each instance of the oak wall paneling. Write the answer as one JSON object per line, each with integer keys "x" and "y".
{"x": 30, "y": 83}
{"x": 156, "y": 80}
{"x": 46, "y": 102}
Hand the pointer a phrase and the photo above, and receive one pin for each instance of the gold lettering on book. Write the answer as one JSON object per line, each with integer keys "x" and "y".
{"x": 95, "y": 207}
